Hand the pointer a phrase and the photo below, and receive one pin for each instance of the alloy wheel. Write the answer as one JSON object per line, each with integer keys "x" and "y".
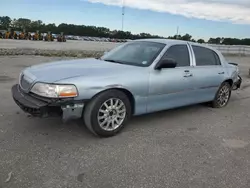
{"x": 223, "y": 95}
{"x": 111, "y": 114}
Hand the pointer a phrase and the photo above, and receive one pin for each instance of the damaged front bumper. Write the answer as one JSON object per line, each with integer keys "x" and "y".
{"x": 46, "y": 107}
{"x": 237, "y": 83}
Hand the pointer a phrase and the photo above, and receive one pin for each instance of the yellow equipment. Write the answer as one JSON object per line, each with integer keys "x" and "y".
{"x": 21, "y": 36}
{"x": 15, "y": 35}
{"x": 49, "y": 37}
{"x": 7, "y": 35}
{"x": 37, "y": 36}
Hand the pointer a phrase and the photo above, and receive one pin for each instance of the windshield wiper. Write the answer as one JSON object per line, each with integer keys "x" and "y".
{"x": 113, "y": 61}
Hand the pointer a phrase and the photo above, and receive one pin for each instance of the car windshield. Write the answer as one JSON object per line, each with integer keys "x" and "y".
{"x": 141, "y": 53}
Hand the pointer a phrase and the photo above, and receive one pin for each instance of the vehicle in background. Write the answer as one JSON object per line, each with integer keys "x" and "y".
{"x": 69, "y": 37}
{"x": 91, "y": 39}
{"x": 49, "y": 36}
{"x": 2, "y": 33}
{"x": 85, "y": 38}
{"x": 61, "y": 38}
{"x": 138, "y": 77}
{"x": 37, "y": 36}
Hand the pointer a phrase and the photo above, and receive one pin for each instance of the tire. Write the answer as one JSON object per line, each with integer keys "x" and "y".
{"x": 226, "y": 89}
{"x": 96, "y": 107}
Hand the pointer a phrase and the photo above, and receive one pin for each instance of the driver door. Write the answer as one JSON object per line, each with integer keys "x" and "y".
{"x": 172, "y": 87}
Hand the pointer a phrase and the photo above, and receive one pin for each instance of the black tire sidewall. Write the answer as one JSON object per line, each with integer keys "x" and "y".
{"x": 215, "y": 102}
{"x": 98, "y": 101}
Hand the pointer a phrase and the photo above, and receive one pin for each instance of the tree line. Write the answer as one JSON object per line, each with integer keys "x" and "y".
{"x": 92, "y": 31}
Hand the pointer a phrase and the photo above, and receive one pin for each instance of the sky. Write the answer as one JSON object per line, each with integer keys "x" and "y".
{"x": 199, "y": 18}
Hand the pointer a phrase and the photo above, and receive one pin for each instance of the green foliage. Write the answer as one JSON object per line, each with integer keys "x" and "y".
{"x": 201, "y": 41}
{"x": 21, "y": 24}
{"x": 229, "y": 41}
{"x": 5, "y": 22}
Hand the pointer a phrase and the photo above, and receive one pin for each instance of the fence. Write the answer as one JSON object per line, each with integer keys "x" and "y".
{"x": 232, "y": 49}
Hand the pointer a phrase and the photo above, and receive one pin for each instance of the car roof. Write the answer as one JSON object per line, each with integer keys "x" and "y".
{"x": 164, "y": 41}
{"x": 176, "y": 41}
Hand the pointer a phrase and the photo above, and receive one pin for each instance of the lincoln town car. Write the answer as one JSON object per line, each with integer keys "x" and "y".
{"x": 137, "y": 77}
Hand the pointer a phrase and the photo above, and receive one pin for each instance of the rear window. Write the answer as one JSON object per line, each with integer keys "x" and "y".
{"x": 205, "y": 56}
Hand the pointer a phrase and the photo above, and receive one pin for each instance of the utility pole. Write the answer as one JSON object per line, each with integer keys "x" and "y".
{"x": 177, "y": 33}
{"x": 123, "y": 13}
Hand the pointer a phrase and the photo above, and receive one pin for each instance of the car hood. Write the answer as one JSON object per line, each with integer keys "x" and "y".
{"x": 60, "y": 70}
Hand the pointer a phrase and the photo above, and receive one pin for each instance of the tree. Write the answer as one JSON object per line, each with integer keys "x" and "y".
{"x": 201, "y": 41}
{"x": 5, "y": 22}
{"x": 24, "y": 23}
{"x": 36, "y": 25}
{"x": 175, "y": 37}
{"x": 186, "y": 37}
{"x": 13, "y": 23}
{"x": 232, "y": 41}
{"x": 215, "y": 40}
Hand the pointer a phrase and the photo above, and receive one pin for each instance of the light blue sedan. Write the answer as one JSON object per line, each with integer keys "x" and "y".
{"x": 137, "y": 77}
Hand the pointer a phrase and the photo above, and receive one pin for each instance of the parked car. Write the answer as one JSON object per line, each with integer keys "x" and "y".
{"x": 137, "y": 77}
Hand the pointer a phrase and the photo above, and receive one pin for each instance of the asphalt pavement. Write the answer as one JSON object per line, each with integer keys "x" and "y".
{"x": 190, "y": 147}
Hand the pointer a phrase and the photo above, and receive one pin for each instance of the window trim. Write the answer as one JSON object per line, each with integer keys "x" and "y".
{"x": 216, "y": 56}
{"x": 190, "y": 63}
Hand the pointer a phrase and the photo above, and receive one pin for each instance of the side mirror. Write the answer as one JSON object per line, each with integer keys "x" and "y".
{"x": 166, "y": 63}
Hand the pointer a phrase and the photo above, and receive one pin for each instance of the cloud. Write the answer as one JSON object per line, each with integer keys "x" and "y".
{"x": 235, "y": 11}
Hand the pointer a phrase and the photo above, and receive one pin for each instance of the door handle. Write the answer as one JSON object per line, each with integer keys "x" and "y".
{"x": 188, "y": 75}
{"x": 221, "y": 72}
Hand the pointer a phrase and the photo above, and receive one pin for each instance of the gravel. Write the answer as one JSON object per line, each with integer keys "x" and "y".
{"x": 51, "y": 53}
{"x": 66, "y": 49}
{"x": 194, "y": 146}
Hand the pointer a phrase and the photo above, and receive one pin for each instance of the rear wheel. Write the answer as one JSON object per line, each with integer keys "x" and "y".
{"x": 107, "y": 113}
{"x": 222, "y": 96}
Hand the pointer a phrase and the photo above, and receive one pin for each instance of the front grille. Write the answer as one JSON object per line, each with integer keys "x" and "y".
{"x": 24, "y": 83}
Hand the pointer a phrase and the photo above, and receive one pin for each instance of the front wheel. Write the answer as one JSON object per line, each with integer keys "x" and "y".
{"x": 222, "y": 96}
{"x": 107, "y": 113}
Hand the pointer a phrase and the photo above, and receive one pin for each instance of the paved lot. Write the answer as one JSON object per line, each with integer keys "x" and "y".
{"x": 194, "y": 147}
{"x": 69, "y": 45}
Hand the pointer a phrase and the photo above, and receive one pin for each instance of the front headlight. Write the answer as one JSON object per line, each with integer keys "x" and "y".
{"x": 54, "y": 91}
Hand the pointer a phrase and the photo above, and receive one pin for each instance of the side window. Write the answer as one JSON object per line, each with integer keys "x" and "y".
{"x": 180, "y": 54}
{"x": 205, "y": 56}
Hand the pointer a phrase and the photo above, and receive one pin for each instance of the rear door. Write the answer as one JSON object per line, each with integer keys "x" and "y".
{"x": 208, "y": 73}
